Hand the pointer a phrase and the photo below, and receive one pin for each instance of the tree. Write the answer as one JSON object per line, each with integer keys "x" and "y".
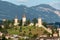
{"x": 30, "y": 30}
{"x": 34, "y": 21}
{"x": 3, "y": 37}
{"x": 7, "y": 23}
{"x": 21, "y": 29}
{"x": 27, "y": 22}
{"x": 1, "y": 28}
{"x": 45, "y": 24}
{"x": 24, "y": 33}
{"x": 20, "y": 22}
{"x": 30, "y": 34}
{"x": 35, "y": 36}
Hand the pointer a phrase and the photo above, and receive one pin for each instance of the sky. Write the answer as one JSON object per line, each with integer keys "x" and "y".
{"x": 29, "y": 3}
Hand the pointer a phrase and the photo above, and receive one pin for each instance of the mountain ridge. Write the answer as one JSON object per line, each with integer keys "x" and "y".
{"x": 45, "y": 11}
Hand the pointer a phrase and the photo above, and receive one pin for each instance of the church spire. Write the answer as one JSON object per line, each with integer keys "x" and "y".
{"x": 24, "y": 15}
{"x": 16, "y": 17}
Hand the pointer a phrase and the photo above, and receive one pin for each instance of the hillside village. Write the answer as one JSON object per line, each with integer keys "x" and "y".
{"x": 26, "y": 30}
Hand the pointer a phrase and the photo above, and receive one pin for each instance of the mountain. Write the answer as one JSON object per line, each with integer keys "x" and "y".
{"x": 45, "y": 11}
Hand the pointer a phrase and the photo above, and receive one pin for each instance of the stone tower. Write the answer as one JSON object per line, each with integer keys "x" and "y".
{"x": 39, "y": 22}
{"x": 16, "y": 21}
{"x": 23, "y": 20}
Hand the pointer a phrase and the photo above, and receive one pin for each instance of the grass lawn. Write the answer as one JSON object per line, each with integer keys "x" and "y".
{"x": 13, "y": 31}
{"x": 26, "y": 30}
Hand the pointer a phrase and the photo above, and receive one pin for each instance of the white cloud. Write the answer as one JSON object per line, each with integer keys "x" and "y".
{"x": 17, "y": 0}
{"x": 55, "y": 5}
{"x": 22, "y": 0}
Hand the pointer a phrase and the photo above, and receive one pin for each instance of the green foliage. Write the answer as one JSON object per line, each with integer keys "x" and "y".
{"x": 13, "y": 31}
{"x": 45, "y": 24}
{"x": 1, "y": 28}
{"x": 7, "y": 23}
{"x": 45, "y": 32}
{"x": 20, "y": 22}
{"x": 20, "y": 29}
{"x": 35, "y": 35}
{"x": 30, "y": 34}
{"x": 29, "y": 29}
{"x": 34, "y": 21}
{"x": 27, "y": 22}
{"x": 3, "y": 38}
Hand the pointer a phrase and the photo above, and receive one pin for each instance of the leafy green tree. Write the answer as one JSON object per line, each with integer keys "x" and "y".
{"x": 20, "y": 22}
{"x": 35, "y": 36}
{"x": 7, "y": 23}
{"x": 30, "y": 34}
{"x": 21, "y": 29}
{"x": 24, "y": 33}
{"x": 3, "y": 37}
{"x": 34, "y": 21}
{"x": 1, "y": 28}
{"x": 45, "y": 24}
{"x": 30, "y": 30}
{"x": 27, "y": 22}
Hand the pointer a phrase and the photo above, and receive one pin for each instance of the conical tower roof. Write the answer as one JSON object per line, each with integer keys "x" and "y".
{"x": 24, "y": 15}
{"x": 16, "y": 17}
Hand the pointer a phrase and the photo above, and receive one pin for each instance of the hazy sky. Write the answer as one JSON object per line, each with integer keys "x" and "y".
{"x": 54, "y": 3}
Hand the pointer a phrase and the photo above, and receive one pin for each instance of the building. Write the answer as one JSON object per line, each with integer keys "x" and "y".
{"x": 49, "y": 38}
{"x": 23, "y": 20}
{"x": 39, "y": 24}
{"x": 58, "y": 31}
{"x": 1, "y": 34}
{"x": 16, "y": 21}
{"x": 7, "y": 36}
{"x": 55, "y": 34}
{"x": 43, "y": 35}
{"x": 31, "y": 24}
